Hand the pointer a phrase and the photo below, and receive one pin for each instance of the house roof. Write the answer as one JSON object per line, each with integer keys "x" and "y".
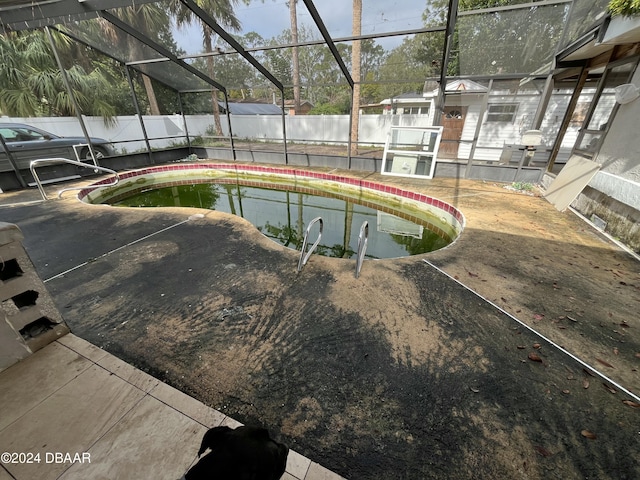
{"x": 246, "y": 108}
{"x": 289, "y": 103}
{"x": 403, "y": 98}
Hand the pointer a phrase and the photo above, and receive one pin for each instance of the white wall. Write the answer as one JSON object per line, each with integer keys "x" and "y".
{"x": 619, "y": 155}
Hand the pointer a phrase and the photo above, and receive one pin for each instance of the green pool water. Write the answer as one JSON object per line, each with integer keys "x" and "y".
{"x": 282, "y": 215}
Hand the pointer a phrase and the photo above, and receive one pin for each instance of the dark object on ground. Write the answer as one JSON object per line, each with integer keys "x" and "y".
{"x": 246, "y": 453}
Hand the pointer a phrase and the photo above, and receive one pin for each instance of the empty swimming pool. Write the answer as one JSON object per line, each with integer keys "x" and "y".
{"x": 280, "y": 202}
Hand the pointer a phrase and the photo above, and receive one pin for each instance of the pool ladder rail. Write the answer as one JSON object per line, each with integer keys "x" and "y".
{"x": 362, "y": 244}
{"x": 58, "y": 160}
{"x": 304, "y": 255}
{"x": 363, "y": 238}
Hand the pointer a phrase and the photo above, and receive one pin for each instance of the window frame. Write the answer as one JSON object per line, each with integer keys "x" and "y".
{"x": 490, "y": 114}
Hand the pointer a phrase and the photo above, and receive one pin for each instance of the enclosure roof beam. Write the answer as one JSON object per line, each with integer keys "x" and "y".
{"x": 159, "y": 48}
{"x": 519, "y": 6}
{"x": 149, "y": 60}
{"x": 311, "y": 43}
{"x": 21, "y": 15}
{"x": 206, "y": 18}
{"x": 111, "y": 56}
{"x": 329, "y": 41}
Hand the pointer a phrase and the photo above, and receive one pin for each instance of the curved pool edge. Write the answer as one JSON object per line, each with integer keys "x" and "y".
{"x": 449, "y": 213}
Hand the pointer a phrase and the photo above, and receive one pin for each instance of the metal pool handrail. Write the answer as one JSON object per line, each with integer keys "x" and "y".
{"x": 362, "y": 246}
{"x": 77, "y": 150}
{"x": 56, "y": 160}
{"x": 304, "y": 257}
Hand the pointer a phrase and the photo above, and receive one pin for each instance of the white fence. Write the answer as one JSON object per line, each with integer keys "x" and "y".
{"x": 166, "y": 130}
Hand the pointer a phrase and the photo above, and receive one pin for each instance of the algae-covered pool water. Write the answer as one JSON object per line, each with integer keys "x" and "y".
{"x": 282, "y": 215}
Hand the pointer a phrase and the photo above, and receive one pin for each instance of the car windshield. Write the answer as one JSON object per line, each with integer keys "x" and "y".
{"x": 20, "y": 134}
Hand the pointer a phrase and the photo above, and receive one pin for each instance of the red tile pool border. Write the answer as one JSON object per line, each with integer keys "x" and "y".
{"x": 296, "y": 172}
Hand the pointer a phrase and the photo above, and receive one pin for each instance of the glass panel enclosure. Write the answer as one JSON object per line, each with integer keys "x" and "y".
{"x": 597, "y": 120}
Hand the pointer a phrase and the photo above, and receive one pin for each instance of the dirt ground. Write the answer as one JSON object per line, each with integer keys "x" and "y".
{"x": 403, "y": 373}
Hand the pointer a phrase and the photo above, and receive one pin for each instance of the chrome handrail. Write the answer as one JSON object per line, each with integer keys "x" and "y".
{"x": 304, "y": 257}
{"x": 363, "y": 237}
{"x": 77, "y": 149}
{"x": 57, "y": 160}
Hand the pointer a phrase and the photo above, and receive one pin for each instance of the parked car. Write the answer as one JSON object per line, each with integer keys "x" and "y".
{"x": 28, "y": 143}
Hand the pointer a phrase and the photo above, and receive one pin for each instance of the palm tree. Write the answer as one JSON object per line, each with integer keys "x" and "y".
{"x": 293, "y": 15}
{"x": 148, "y": 18}
{"x": 355, "y": 73}
{"x": 31, "y": 84}
{"x": 222, "y": 12}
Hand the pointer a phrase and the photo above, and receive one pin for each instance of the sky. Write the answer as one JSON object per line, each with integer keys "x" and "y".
{"x": 270, "y": 18}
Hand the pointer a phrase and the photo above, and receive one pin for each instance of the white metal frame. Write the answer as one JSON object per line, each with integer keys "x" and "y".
{"x": 405, "y": 161}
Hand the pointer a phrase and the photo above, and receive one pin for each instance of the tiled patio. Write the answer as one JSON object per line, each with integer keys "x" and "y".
{"x": 85, "y": 414}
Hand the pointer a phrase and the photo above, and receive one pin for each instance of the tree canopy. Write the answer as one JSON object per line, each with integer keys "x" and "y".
{"x": 502, "y": 40}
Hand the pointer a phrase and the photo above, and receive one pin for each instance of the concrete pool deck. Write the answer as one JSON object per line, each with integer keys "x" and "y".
{"x": 412, "y": 371}
{"x": 83, "y": 413}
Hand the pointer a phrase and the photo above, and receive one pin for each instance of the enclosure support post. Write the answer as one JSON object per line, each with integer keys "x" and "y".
{"x": 209, "y": 20}
{"x": 284, "y": 129}
{"x": 476, "y": 134}
{"x": 13, "y": 163}
{"x": 334, "y": 51}
{"x": 67, "y": 85}
{"x": 544, "y": 102}
{"x": 452, "y": 18}
{"x": 226, "y": 107}
{"x": 134, "y": 97}
{"x": 584, "y": 73}
{"x": 184, "y": 121}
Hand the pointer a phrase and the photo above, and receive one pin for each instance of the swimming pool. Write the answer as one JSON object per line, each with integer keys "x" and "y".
{"x": 281, "y": 201}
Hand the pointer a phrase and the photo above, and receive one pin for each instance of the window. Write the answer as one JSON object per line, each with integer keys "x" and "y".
{"x": 411, "y": 151}
{"x": 502, "y": 112}
{"x": 20, "y": 134}
{"x": 416, "y": 110}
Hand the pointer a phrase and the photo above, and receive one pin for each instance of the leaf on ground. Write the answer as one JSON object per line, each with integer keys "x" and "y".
{"x": 542, "y": 451}
{"x": 631, "y": 404}
{"x": 610, "y": 388}
{"x": 536, "y": 346}
{"x": 585, "y": 383}
{"x": 588, "y": 434}
{"x": 606, "y": 364}
{"x": 538, "y": 317}
{"x": 534, "y": 357}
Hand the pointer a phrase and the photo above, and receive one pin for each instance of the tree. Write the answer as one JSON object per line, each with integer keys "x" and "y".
{"x": 627, "y": 8}
{"x": 519, "y": 40}
{"x": 403, "y": 70}
{"x": 148, "y": 18}
{"x": 222, "y": 12}
{"x": 295, "y": 58}
{"x": 33, "y": 85}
